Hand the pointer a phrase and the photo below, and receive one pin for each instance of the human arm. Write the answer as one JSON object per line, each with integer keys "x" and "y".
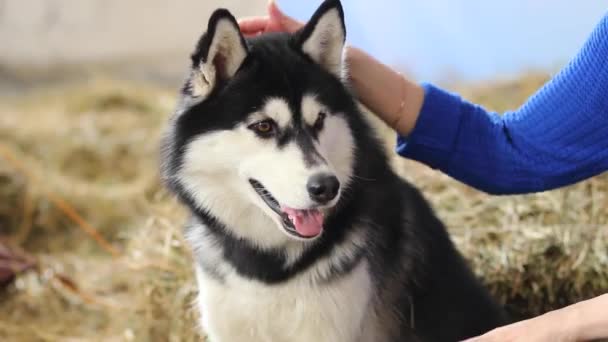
{"x": 558, "y": 137}
{"x": 583, "y": 321}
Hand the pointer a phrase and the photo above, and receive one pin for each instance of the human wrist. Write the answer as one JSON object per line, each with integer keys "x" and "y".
{"x": 413, "y": 98}
{"x": 392, "y": 97}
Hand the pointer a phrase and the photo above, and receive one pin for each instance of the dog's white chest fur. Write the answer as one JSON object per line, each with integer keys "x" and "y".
{"x": 297, "y": 310}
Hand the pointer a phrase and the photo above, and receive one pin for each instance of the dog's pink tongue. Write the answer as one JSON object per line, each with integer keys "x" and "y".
{"x": 307, "y": 222}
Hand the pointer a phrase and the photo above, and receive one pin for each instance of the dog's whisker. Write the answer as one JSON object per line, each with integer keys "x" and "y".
{"x": 363, "y": 178}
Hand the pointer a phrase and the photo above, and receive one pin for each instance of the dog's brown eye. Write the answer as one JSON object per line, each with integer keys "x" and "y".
{"x": 319, "y": 122}
{"x": 263, "y": 128}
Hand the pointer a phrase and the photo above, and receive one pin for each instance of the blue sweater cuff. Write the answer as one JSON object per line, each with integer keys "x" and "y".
{"x": 434, "y": 136}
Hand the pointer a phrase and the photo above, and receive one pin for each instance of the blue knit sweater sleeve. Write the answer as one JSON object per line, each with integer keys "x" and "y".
{"x": 558, "y": 137}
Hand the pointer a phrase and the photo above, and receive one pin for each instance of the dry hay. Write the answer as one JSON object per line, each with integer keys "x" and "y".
{"x": 96, "y": 145}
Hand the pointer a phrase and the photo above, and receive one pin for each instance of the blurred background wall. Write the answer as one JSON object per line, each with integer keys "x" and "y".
{"x": 58, "y": 40}
{"x": 65, "y": 31}
{"x": 439, "y": 40}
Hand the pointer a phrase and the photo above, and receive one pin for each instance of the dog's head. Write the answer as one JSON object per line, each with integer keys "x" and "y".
{"x": 261, "y": 137}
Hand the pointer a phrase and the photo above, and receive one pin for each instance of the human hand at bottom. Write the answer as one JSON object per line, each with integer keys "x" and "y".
{"x": 584, "y": 321}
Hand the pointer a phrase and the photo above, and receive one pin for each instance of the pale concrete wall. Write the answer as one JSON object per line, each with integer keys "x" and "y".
{"x": 49, "y": 32}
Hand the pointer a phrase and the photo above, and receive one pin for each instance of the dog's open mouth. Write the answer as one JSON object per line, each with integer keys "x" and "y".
{"x": 302, "y": 223}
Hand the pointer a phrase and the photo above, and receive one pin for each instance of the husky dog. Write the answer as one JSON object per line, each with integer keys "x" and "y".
{"x": 300, "y": 229}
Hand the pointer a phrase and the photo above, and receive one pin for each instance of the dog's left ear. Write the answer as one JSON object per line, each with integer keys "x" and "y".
{"x": 218, "y": 55}
{"x": 323, "y": 37}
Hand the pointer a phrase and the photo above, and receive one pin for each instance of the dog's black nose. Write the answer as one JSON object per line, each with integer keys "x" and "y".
{"x": 323, "y": 187}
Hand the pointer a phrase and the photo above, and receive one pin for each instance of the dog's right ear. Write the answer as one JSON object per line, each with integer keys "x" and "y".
{"x": 218, "y": 55}
{"x": 323, "y": 37}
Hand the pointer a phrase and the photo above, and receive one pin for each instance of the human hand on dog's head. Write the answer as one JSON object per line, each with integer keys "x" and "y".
{"x": 275, "y": 21}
